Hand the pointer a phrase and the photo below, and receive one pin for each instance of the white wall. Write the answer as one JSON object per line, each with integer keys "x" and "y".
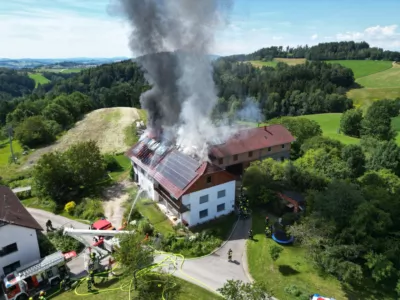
{"x": 27, "y": 243}
{"x": 145, "y": 182}
{"x": 193, "y": 200}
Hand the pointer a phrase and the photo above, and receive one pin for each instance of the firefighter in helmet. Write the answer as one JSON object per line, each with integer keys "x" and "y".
{"x": 42, "y": 295}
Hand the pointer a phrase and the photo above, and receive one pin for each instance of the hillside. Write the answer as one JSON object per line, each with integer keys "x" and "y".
{"x": 106, "y": 126}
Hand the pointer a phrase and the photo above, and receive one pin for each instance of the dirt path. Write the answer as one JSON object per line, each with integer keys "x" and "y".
{"x": 114, "y": 203}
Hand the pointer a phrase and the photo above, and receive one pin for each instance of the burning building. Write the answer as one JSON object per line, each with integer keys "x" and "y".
{"x": 197, "y": 190}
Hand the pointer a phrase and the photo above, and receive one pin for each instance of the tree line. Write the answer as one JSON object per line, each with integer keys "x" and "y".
{"x": 350, "y": 226}
{"x": 323, "y": 51}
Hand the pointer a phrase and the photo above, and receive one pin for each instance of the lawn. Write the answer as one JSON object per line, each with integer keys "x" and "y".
{"x": 365, "y": 96}
{"x": 149, "y": 209}
{"x": 386, "y": 79}
{"x": 7, "y": 169}
{"x": 273, "y": 63}
{"x": 39, "y": 78}
{"x": 119, "y": 290}
{"x": 293, "y": 268}
{"x": 61, "y": 70}
{"x": 125, "y": 164}
{"x": 363, "y": 68}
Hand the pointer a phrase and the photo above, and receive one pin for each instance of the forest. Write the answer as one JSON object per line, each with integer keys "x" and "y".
{"x": 350, "y": 226}
{"x": 314, "y": 87}
{"x": 322, "y": 51}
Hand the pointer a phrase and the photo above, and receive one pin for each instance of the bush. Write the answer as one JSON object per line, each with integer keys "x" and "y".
{"x": 145, "y": 227}
{"x": 89, "y": 209}
{"x": 293, "y": 290}
{"x": 70, "y": 207}
{"x": 112, "y": 164}
{"x": 64, "y": 243}
{"x": 289, "y": 218}
{"x": 45, "y": 245}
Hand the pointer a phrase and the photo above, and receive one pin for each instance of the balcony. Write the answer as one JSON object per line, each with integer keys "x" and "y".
{"x": 176, "y": 204}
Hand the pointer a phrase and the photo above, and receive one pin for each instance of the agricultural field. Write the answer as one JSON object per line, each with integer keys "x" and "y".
{"x": 72, "y": 70}
{"x": 365, "y": 96}
{"x": 386, "y": 79}
{"x": 363, "y": 68}
{"x": 39, "y": 78}
{"x": 106, "y": 126}
{"x": 289, "y": 61}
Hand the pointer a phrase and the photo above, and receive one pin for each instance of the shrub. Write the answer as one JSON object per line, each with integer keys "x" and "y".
{"x": 289, "y": 218}
{"x": 275, "y": 252}
{"x": 45, "y": 245}
{"x": 145, "y": 227}
{"x": 70, "y": 207}
{"x": 64, "y": 243}
{"x": 111, "y": 163}
{"x": 89, "y": 209}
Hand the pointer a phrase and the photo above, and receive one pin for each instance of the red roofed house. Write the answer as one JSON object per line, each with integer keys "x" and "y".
{"x": 252, "y": 144}
{"x": 195, "y": 191}
{"x": 18, "y": 240}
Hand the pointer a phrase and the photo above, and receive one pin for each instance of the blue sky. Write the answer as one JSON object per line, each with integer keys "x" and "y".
{"x": 77, "y": 28}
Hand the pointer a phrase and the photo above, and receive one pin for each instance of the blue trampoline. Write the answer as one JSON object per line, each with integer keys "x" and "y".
{"x": 280, "y": 237}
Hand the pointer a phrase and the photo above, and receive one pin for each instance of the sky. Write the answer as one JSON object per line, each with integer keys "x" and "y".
{"x": 93, "y": 28}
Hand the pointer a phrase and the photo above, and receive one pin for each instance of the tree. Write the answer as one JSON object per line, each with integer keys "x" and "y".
{"x": 382, "y": 178}
{"x": 350, "y": 122}
{"x": 275, "y": 252}
{"x": 33, "y": 132}
{"x": 318, "y": 142}
{"x": 377, "y": 121}
{"x": 59, "y": 114}
{"x": 236, "y": 289}
{"x": 379, "y": 265}
{"x": 355, "y": 159}
{"x": 132, "y": 254}
{"x": 386, "y": 155}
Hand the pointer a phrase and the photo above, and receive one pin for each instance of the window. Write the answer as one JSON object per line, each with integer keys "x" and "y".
{"x": 251, "y": 154}
{"x": 49, "y": 273}
{"x": 221, "y": 194}
{"x": 209, "y": 179}
{"x": 269, "y": 148}
{"x": 221, "y": 161}
{"x": 220, "y": 207}
{"x": 204, "y": 199}
{"x": 8, "y": 249}
{"x": 283, "y": 146}
{"x": 203, "y": 213}
{"x": 11, "y": 267}
{"x": 235, "y": 157}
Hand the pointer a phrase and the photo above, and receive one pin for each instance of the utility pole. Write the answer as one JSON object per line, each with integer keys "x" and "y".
{"x": 10, "y": 134}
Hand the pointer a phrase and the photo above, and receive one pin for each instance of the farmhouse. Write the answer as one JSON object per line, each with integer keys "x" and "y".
{"x": 198, "y": 191}
{"x": 18, "y": 240}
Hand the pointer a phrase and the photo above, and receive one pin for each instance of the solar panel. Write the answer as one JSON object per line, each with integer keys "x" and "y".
{"x": 178, "y": 168}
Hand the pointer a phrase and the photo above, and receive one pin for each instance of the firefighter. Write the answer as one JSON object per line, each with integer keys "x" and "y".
{"x": 49, "y": 225}
{"x": 230, "y": 254}
{"x": 42, "y": 295}
{"x": 250, "y": 234}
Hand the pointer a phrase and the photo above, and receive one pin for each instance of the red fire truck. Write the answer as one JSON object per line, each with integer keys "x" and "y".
{"x": 29, "y": 279}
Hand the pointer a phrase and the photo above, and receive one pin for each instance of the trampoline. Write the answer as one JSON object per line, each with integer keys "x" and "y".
{"x": 280, "y": 237}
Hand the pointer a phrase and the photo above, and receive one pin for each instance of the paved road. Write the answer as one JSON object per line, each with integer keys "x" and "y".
{"x": 211, "y": 271}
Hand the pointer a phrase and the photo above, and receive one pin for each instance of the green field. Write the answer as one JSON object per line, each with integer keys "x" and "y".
{"x": 387, "y": 79}
{"x": 39, "y": 78}
{"x": 363, "y": 68}
{"x": 72, "y": 70}
{"x": 365, "y": 96}
{"x": 289, "y": 61}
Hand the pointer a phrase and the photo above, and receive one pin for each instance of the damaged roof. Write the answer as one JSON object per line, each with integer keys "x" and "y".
{"x": 253, "y": 139}
{"x": 13, "y": 212}
{"x": 174, "y": 170}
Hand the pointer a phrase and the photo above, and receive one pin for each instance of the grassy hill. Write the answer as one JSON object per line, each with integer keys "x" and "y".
{"x": 39, "y": 78}
{"x": 107, "y": 126}
{"x": 363, "y": 68}
{"x": 289, "y": 61}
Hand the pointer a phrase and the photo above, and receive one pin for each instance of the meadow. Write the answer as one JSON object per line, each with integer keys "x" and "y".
{"x": 61, "y": 70}
{"x": 273, "y": 63}
{"x": 39, "y": 78}
{"x": 362, "y": 68}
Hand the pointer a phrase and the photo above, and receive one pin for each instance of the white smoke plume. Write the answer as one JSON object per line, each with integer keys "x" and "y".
{"x": 173, "y": 39}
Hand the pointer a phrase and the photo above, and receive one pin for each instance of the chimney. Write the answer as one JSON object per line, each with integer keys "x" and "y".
{"x": 266, "y": 129}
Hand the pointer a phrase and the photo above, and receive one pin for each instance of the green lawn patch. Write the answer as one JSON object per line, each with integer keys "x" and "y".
{"x": 260, "y": 64}
{"x": 386, "y": 79}
{"x": 125, "y": 164}
{"x": 275, "y": 61}
{"x": 118, "y": 289}
{"x": 365, "y": 96}
{"x": 39, "y": 78}
{"x": 363, "y": 68}
{"x": 149, "y": 209}
{"x": 292, "y": 268}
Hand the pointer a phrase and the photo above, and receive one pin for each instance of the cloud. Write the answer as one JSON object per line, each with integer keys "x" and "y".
{"x": 314, "y": 37}
{"x": 382, "y": 36}
{"x": 277, "y": 38}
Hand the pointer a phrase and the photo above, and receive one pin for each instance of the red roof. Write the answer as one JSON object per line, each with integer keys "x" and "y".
{"x": 253, "y": 139}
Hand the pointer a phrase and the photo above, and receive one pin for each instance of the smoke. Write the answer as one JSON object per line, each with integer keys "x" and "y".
{"x": 250, "y": 111}
{"x": 173, "y": 39}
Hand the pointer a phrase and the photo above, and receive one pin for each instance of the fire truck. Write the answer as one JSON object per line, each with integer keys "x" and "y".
{"x": 27, "y": 280}
{"x": 106, "y": 242}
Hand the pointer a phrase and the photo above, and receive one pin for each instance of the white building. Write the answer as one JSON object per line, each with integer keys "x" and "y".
{"x": 18, "y": 240}
{"x": 196, "y": 192}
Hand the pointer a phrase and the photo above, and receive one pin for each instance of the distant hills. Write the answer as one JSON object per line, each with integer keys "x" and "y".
{"x": 23, "y": 63}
